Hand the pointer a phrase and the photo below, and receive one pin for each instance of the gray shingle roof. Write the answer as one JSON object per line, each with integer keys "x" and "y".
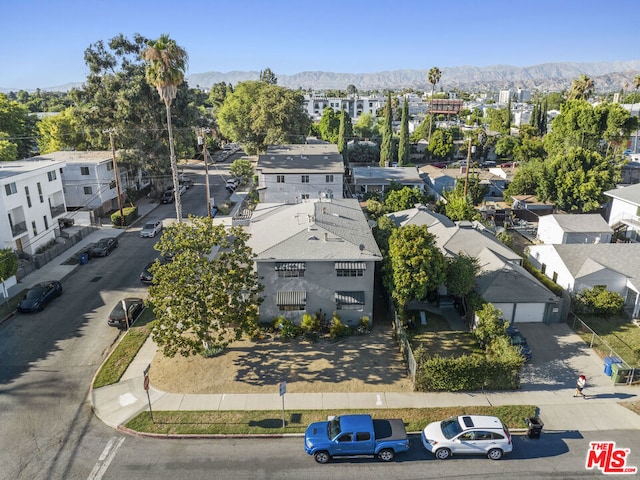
{"x": 630, "y": 194}
{"x": 318, "y": 158}
{"x": 587, "y": 223}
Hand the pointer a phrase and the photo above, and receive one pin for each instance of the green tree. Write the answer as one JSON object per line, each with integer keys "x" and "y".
{"x": 582, "y": 88}
{"x": 167, "y": 63}
{"x": 417, "y": 265}
{"x": 526, "y": 180}
{"x": 202, "y": 304}
{"x": 61, "y": 132}
{"x": 242, "y": 168}
{"x": 217, "y": 94}
{"x": 345, "y": 131}
{"x": 441, "y": 144}
{"x": 498, "y": 119}
{"x": 461, "y": 274}
{"x": 506, "y": 145}
{"x": 258, "y": 114}
{"x": 267, "y": 76}
{"x": 403, "y": 199}
{"x": 8, "y": 263}
{"x": 433, "y": 76}
{"x": 403, "y": 147}
{"x": 490, "y": 326}
{"x": 386, "y": 149}
{"x": 577, "y": 125}
{"x": 599, "y": 301}
{"x": 364, "y": 126}
{"x": 351, "y": 89}
{"x": 329, "y": 125}
{"x": 458, "y": 206}
{"x": 16, "y": 130}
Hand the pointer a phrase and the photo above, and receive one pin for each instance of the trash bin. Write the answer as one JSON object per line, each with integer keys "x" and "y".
{"x": 618, "y": 373}
{"x": 608, "y": 364}
{"x": 84, "y": 259}
{"x": 534, "y": 427}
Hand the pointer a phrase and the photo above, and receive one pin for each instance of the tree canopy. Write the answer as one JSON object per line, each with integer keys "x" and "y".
{"x": 16, "y": 130}
{"x": 386, "y": 149}
{"x": 208, "y": 295}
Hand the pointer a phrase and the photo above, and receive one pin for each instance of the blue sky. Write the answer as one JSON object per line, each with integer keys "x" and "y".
{"x": 42, "y": 41}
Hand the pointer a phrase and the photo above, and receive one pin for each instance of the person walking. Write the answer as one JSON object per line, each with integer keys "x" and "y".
{"x": 580, "y": 384}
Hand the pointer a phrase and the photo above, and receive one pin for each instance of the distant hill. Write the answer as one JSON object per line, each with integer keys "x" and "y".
{"x": 607, "y": 77}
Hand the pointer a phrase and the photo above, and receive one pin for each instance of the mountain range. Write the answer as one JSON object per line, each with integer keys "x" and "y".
{"x": 607, "y": 77}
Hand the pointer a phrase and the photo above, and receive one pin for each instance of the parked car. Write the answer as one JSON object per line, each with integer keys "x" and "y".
{"x": 134, "y": 308}
{"x": 104, "y": 247}
{"x": 167, "y": 196}
{"x": 232, "y": 184}
{"x": 151, "y": 228}
{"x": 182, "y": 188}
{"x": 39, "y": 296}
{"x": 518, "y": 340}
{"x": 468, "y": 434}
{"x": 65, "y": 222}
{"x": 350, "y": 435}
{"x": 146, "y": 276}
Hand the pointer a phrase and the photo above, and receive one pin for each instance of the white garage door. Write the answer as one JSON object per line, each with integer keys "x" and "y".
{"x": 529, "y": 313}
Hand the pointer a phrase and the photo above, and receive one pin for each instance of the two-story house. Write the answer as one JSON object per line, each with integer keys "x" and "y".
{"x": 31, "y": 201}
{"x": 293, "y": 173}
{"x": 314, "y": 256}
{"x": 624, "y": 212}
{"x": 378, "y": 179}
{"x": 565, "y": 229}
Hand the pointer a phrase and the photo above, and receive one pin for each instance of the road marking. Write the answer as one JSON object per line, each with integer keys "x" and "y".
{"x": 105, "y": 459}
{"x": 378, "y": 400}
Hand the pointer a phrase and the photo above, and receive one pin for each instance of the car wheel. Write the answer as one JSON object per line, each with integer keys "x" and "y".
{"x": 106, "y": 254}
{"x": 321, "y": 456}
{"x": 41, "y": 307}
{"x": 443, "y": 454}
{"x": 494, "y": 454}
{"x": 153, "y": 234}
{"x": 386, "y": 455}
{"x": 59, "y": 293}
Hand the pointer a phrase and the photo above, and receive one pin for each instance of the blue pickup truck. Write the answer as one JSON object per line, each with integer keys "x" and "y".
{"x": 354, "y": 435}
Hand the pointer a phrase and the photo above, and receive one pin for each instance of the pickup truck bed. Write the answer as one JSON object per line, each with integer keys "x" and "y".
{"x": 389, "y": 430}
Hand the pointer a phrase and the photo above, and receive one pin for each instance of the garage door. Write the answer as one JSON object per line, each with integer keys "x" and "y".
{"x": 529, "y": 313}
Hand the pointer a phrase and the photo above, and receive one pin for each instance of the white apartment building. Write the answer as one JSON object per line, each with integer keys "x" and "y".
{"x": 31, "y": 201}
{"x": 355, "y": 106}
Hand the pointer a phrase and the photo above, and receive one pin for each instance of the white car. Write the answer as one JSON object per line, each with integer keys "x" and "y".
{"x": 150, "y": 229}
{"x": 232, "y": 184}
{"x": 469, "y": 435}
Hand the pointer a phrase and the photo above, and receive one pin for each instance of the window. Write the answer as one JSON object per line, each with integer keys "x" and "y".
{"x": 350, "y": 269}
{"x": 10, "y": 188}
{"x": 345, "y": 437}
{"x": 46, "y": 222}
{"x": 329, "y": 179}
{"x": 88, "y": 191}
{"x": 33, "y": 226}
{"x": 40, "y": 193}
{"x": 109, "y": 166}
{"x": 363, "y": 436}
{"x": 349, "y": 300}
{"x": 280, "y": 179}
{"x": 51, "y": 175}
{"x": 555, "y": 276}
{"x": 305, "y": 178}
{"x": 291, "y": 301}
{"x": 290, "y": 269}
{"x": 26, "y": 192}
{"x": 84, "y": 170}
{"x": 304, "y": 196}
{"x": 543, "y": 268}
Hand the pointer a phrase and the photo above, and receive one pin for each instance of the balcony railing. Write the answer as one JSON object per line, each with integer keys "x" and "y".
{"x": 19, "y": 228}
{"x": 57, "y": 211}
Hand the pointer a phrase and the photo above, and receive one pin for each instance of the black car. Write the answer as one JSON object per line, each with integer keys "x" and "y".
{"x": 134, "y": 308}
{"x": 104, "y": 246}
{"x": 518, "y": 340}
{"x": 39, "y": 295}
{"x": 146, "y": 276}
{"x": 167, "y": 196}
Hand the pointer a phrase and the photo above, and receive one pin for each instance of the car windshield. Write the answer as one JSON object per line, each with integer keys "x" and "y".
{"x": 149, "y": 226}
{"x": 35, "y": 293}
{"x": 517, "y": 339}
{"x": 450, "y": 427}
{"x": 333, "y": 427}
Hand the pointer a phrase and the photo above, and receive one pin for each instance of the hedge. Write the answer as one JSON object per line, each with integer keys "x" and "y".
{"x": 130, "y": 214}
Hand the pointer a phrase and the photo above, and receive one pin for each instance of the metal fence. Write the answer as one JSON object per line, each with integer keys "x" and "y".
{"x": 628, "y": 374}
{"x": 405, "y": 346}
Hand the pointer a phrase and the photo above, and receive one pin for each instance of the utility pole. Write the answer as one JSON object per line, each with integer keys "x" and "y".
{"x": 115, "y": 173}
{"x": 466, "y": 180}
{"x": 202, "y": 140}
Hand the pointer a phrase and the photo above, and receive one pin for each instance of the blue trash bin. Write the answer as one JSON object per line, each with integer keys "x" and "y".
{"x": 608, "y": 362}
{"x": 84, "y": 259}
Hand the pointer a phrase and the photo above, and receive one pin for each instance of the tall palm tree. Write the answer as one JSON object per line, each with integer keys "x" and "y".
{"x": 581, "y": 88}
{"x": 434, "y": 77}
{"x": 166, "y": 65}
{"x": 636, "y": 83}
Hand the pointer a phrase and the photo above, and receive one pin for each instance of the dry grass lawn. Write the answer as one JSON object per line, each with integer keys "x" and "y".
{"x": 360, "y": 363}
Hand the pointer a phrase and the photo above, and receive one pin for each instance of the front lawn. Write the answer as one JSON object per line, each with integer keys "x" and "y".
{"x": 438, "y": 338}
{"x": 619, "y": 333}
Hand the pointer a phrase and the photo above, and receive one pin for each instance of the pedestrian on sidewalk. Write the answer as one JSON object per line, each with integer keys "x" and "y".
{"x": 580, "y": 384}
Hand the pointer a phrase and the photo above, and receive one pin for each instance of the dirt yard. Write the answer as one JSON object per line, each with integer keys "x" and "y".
{"x": 360, "y": 363}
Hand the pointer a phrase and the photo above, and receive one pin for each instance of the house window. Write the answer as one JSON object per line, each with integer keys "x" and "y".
{"x": 26, "y": 192}
{"x": 10, "y": 188}
{"x": 109, "y": 166}
{"x": 305, "y": 196}
{"x": 290, "y": 269}
{"x": 305, "y": 178}
{"x": 51, "y": 175}
{"x": 555, "y": 277}
{"x": 349, "y": 300}
{"x": 88, "y": 191}
{"x": 280, "y": 179}
{"x": 40, "y": 193}
{"x": 289, "y": 301}
{"x": 33, "y": 226}
{"x": 350, "y": 269}
{"x": 46, "y": 222}
{"x": 543, "y": 268}
{"x": 329, "y": 179}
{"x": 84, "y": 170}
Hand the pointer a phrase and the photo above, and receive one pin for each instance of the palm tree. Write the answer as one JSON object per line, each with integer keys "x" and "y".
{"x": 166, "y": 65}
{"x": 582, "y": 88}
{"x": 434, "y": 77}
{"x": 636, "y": 83}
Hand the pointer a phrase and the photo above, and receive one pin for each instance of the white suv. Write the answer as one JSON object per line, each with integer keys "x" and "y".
{"x": 468, "y": 434}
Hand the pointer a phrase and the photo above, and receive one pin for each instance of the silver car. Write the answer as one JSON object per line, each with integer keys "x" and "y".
{"x": 469, "y": 435}
{"x": 151, "y": 228}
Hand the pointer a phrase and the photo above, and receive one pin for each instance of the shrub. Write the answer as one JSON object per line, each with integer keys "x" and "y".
{"x": 8, "y": 263}
{"x": 130, "y": 214}
{"x": 490, "y": 325}
{"x": 365, "y": 324}
{"x": 338, "y": 329}
{"x": 599, "y": 301}
{"x": 287, "y": 328}
{"x": 310, "y": 323}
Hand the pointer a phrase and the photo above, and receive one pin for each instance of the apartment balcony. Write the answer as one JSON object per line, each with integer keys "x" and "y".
{"x": 57, "y": 211}
{"x": 19, "y": 228}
